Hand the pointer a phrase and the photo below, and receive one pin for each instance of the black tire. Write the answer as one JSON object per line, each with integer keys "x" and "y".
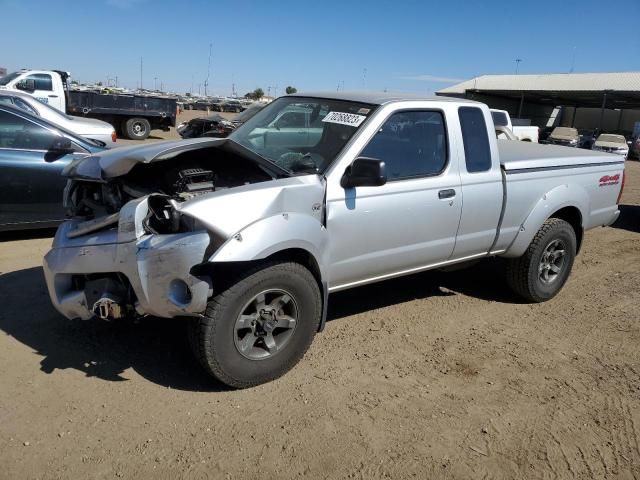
{"x": 137, "y": 128}
{"x": 525, "y": 275}
{"x": 213, "y": 338}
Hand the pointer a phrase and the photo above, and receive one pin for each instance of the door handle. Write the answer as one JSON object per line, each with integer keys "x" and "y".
{"x": 53, "y": 96}
{"x": 448, "y": 193}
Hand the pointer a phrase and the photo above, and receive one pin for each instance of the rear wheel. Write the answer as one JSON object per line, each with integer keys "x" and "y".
{"x": 137, "y": 128}
{"x": 542, "y": 271}
{"x": 260, "y": 327}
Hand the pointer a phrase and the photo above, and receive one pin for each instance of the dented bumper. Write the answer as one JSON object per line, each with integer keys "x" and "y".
{"x": 157, "y": 268}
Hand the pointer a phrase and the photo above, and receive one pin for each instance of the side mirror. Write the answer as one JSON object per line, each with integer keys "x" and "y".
{"x": 364, "y": 172}
{"x": 28, "y": 85}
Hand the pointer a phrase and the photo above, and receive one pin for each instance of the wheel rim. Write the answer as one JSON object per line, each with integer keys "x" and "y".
{"x": 552, "y": 261}
{"x": 139, "y": 129}
{"x": 266, "y": 324}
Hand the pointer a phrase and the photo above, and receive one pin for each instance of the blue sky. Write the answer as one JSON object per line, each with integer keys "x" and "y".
{"x": 418, "y": 46}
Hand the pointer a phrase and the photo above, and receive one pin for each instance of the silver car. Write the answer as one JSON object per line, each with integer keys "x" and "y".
{"x": 84, "y": 127}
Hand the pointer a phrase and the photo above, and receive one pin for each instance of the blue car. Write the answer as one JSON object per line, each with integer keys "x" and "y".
{"x": 33, "y": 153}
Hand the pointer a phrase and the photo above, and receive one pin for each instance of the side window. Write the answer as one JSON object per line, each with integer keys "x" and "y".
{"x": 412, "y": 144}
{"x": 6, "y": 101}
{"x": 475, "y": 138}
{"x": 42, "y": 81}
{"x": 291, "y": 120}
{"x": 22, "y": 105}
{"x": 17, "y": 132}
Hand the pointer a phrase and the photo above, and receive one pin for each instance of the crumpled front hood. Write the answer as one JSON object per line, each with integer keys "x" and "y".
{"x": 228, "y": 211}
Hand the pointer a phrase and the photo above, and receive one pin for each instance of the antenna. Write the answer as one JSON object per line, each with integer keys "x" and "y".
{"x": 573, "y": 60}
{"x": 518, "y": 60}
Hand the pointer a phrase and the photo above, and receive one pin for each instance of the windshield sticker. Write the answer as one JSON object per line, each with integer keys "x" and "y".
{"x": 342, "y": 118}
{"x": 364, "y": 111}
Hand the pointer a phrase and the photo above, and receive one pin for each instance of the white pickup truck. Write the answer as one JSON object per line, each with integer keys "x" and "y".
{"x": 525, "y": 133}
{"x": 134, "y": 116}
{"x": 250, "y": 234}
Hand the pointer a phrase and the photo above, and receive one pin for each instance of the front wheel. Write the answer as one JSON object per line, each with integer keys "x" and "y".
{"x": 260, "y": 327}
{"x": 542, "y": 271}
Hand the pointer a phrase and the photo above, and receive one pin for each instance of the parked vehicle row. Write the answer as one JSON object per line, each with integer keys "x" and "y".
{"x": 84, "y": 127}
{"x": 250, "y": 234}
{"x": 590, "y": 140}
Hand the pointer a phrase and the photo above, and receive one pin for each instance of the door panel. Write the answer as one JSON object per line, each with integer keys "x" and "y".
{"x": 31, "y": 189}
{"x": 395, "y": 227}
{"x": 412, "y": 220}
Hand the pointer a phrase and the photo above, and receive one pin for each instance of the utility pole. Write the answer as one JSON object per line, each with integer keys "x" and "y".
{"x": 518, "y": 60}
{"x": 140, "y": 73}
{"x": 206, "y": 82}
{"x": 155, "y": 83}
{"x": 116, "y": 81}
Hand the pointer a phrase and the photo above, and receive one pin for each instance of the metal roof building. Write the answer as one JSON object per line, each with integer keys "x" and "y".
{"x": 522, "y": 93}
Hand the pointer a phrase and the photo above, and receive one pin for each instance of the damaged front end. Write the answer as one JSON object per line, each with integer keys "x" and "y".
{"x": 130, "y": 247}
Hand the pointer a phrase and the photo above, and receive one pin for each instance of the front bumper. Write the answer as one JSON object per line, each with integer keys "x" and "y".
{"x": 157, "y": 267}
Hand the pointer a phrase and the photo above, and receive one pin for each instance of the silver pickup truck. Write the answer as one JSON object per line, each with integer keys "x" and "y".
{"x": 250, "y": 234}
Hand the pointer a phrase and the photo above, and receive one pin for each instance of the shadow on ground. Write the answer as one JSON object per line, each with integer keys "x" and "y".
{"x": 629, "y": 218}
{"x": 27, "y": 234}
{"x": 157, "y": 348}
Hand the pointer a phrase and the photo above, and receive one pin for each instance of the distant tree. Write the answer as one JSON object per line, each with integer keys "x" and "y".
{"x": 257, "y": 94}
{"x": 187, "y": 94}
{"x": 291, "y": 90}
{"x": 74, "y": 82}
{"x": 99, "y": 84}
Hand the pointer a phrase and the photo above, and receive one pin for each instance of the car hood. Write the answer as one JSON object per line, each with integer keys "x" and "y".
{"x": 250, "y": 203}
{"x": 91, "y": 125}
{"x": 564, "y": 138}
{"x": 117, "y": 162}
{"x": 610, "y": 144}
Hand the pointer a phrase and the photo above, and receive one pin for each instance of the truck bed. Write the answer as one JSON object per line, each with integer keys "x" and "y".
{"x": 541, "y": 178}
{"x": 516, "y": 155}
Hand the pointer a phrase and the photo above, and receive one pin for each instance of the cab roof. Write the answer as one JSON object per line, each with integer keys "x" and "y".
{"x": 377, "y": 98}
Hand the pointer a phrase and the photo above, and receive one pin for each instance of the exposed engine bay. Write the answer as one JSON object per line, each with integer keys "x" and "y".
{"x": 180, "y": 178}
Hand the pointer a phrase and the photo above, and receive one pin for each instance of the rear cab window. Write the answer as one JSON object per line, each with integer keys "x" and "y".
{"x": 500, "y": 119}
{"x": 475, "y": 138}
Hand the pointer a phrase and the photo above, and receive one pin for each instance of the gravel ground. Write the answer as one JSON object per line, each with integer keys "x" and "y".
{"x": 437, "y": 375}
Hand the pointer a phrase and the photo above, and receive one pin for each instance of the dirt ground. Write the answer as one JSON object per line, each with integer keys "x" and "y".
{"x": 437, "y": 375}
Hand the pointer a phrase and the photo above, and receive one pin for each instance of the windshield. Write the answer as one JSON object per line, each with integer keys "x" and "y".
{"x": 302, "y": 134}
{"x": 7, "y": 78}
{"x": 248, "y": 113}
